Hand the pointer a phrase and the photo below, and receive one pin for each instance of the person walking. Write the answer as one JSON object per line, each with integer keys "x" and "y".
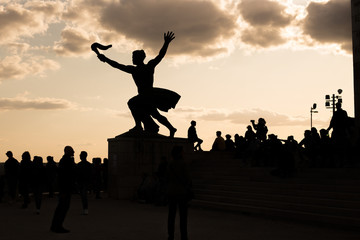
{"x": 66, "y": 179}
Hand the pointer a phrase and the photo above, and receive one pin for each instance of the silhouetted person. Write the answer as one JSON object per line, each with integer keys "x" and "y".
{"x": 326, "y": 149}
{"x": 51, "y": 174}
{"x": 260, "y": 128}
{"x": 193, "y": 137}
{"x": 229, "y": 143}
{"x": 179, "y": 182}
{"x": 149, "y": 99}
{"x": 240, "y": 145}
{"x": 11, "y": 168}
{"x": 219, "y": 143}
{"x": 309, "y": 147}
{"x": 250, "y": 135}
{"x": 39, "y": 179}
{"x": 340, "y": 125}
{"x": 97, "y": 177}
{"x": 25, "y": 178}
{"x": 105, "y": 173}
{"x": 66, "y": 178}
{"x": 84, "y": 172}
{"x": 160, "y": 191}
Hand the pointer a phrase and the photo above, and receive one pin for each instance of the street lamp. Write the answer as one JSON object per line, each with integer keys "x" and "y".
{"x": 312, "y": 110}
{"x": 330, "y": 102}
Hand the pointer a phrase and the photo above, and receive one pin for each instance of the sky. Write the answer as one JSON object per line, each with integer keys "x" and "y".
{"x": 231, "y": 61}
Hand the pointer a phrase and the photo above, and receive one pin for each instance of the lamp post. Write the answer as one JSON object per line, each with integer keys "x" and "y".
{"x": 330, "y": 102}
{"x": 312, "y": 110}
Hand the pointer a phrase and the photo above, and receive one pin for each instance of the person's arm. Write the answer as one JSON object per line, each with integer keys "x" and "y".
{"x": 168, "y": 37}
{"x": 115, "y": 64}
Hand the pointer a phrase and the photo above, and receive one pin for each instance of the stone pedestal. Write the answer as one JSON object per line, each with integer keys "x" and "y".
{"x": 130, "y": 157}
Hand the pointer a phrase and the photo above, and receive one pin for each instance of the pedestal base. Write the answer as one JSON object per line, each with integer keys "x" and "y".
{"x": 130, "y": 157}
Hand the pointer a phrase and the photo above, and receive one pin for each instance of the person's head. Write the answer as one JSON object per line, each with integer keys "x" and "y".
{"x": 261, "y": 121}
{"x": 193, "y": 123}
{"x": 26, "y": 156}
{"x": 228, "y": 136}
{"x": 307, "y": 133}
{"x": 83, "y": 155}
{"x": 96, "y": 161}
{"x": 324, "y": 133}
{"x": 249, "y": 128}
{"x": 38, "y": 160}
{"x": 314, "y": 130}
{"x": 50, "y": 159}
{"x": 9, "y": 154}
{"x": 138, "y": 57}
{"x": 69, "y": 151}
{"x": 218, "y": 133}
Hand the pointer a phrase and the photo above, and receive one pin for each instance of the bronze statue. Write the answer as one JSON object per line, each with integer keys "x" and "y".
{"x": 144, "y": 106}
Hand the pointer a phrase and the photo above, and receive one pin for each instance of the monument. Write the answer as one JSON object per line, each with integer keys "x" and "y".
{"x": 355, "y": 20}
{"x": 138, "y": 152}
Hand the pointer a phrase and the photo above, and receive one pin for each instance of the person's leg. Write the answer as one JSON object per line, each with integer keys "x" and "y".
{"x": 60, "y": 213}
{"x": 171, "y": 217}
{"x": 183, "y": 212}
{"x": 84, "y": 199}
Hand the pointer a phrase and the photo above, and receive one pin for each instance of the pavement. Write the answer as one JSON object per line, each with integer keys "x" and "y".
{"x": 126, "y": 220}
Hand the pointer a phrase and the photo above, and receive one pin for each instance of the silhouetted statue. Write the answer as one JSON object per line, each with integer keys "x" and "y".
{"x": 179, "y": 182}
{"x": 25, "y": 178}
{"x": 149, "y": 100}
{"x": 193, "y": 137}
{"x": 66, "y": 180}
{"x": 11, "y": 168}
{"x": 84, "y": 174}
{"x": 219, "y": 142}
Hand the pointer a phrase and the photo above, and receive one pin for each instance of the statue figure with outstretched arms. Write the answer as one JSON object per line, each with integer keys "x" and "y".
{"x": 146, "y": 105}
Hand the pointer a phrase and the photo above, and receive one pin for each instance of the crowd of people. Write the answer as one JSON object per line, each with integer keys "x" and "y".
{"x": 318, "y": 148}
{"x": 31, "y": 178}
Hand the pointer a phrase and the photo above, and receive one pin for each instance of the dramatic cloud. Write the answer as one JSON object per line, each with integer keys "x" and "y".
{"x": 330, "y": 22}
{"x": 266, "y": 19}
{"x": 199, "y": 25}
{"x": 15, "y": 67}
{"x": 22, "y": 103}
{"x": 27, "y": 20}
{"x": 74, "y": 42}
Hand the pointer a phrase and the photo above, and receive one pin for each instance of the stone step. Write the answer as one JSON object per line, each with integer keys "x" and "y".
{"x": 352, "y": 196}
{"x": 309, "y": 218}
{"x": 285, "y": 206}
{"x": 284, "y": 198}
{"x": 279, "y": 185}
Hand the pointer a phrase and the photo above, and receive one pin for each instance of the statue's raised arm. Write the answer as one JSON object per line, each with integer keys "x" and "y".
{"x": 168, "y": 37}
{"x": 96, "y": 46}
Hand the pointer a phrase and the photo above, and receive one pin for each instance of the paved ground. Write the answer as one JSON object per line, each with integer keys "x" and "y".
{"x": 124, "y": 220}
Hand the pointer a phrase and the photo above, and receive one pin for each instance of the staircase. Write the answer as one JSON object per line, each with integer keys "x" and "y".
{"x": 322, "y": 196}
